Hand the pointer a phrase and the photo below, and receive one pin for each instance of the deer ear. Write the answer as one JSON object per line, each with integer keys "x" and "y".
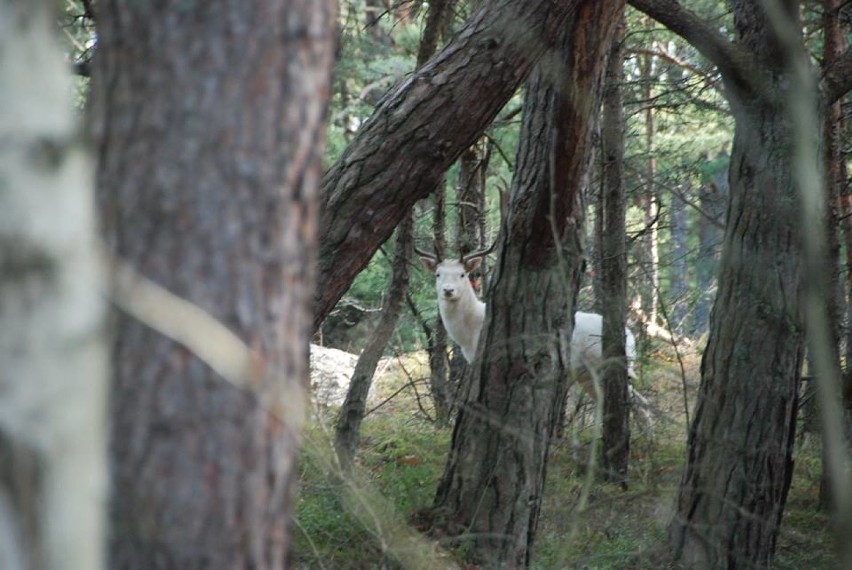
{"x": 429, "y": 263}
{"x": 472, "y": 264}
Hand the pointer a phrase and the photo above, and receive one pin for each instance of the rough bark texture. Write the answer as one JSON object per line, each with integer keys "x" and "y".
{"x": 739, "y": 459}
{"x": 616, "y": 404}
{"x": 348, "y": 427}
{"x": 493, "y": 483}
{"x": 420, "y": 129}
{"x": 210, "y": 122}
{"x": 53, "y": 383}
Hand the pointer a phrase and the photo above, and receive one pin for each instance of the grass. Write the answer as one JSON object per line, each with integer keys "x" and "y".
{"x": 365, "y": 522}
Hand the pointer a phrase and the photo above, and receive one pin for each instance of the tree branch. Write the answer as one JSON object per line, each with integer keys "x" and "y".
{"x": 738, "y": 67}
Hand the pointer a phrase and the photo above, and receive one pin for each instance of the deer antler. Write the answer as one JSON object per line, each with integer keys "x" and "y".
{"x": 422, "y": 253}
{"x": 480, "y": 253}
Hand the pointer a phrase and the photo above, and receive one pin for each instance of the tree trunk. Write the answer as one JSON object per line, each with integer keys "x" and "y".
{"x": 348, "y": 428}
{"x": 53, "y": 387}
{"x": 493, "y": 483}
{"x": 835, "y": 179}
{"x": 471, "y": 202}
{"x": 439, "y": 365}
{"x": 739, "y": 460}
{"x": 649, "y": 250}
{"x": 616, "y": 404}
{"x": 210, "y": 124}
{"x": 421, "y": 128}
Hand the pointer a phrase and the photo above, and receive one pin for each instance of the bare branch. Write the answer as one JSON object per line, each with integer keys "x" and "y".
{"x": 737, "y": 66}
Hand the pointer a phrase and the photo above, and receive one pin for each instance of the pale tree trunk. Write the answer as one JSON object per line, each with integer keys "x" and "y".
{"x": 493, "y": 484}
{"x": 53, "y": 386}
{"x": 210, "y": 124}
{"x": 421, "y": 128}
{"x": 613, "y": 255}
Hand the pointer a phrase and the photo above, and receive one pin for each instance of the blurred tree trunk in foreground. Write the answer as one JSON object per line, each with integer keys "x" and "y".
{"x": 52, "y": 319}
{"x": 210, "y": 122}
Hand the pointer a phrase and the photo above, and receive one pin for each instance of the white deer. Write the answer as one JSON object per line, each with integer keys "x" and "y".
{"x": 463, "y": 314}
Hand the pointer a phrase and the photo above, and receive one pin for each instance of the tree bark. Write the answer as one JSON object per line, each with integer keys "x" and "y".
{"x": 834, "y": 162}
{"x": 739, "y": 459}
{"x": 493, "y": 483}
{"x": 210, "y": 124}
{"x": 420, "y": 129}
{"x": 616, "y": 404}
{"x": 53, "y": 387}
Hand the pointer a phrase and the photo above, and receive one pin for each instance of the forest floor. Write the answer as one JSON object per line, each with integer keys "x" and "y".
{"x": 365, "y": 521}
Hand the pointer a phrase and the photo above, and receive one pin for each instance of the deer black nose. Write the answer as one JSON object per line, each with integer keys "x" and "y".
{"x": 448, "y": 292}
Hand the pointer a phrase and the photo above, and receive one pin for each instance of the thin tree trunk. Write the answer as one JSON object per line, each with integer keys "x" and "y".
{"x": 650, "y": 249}
{"x": 421, "y": 128}
{"x": 53, "y": 387}
{"x": 437, "y": 22}
{"x": 210, "y": 124}
{"x": 613, "y": 253}
{"x": 493, "y": 483}
{"x": 439, "y": 365}
{"x": 348, "y": 427}
{"x": 835, "y": 180}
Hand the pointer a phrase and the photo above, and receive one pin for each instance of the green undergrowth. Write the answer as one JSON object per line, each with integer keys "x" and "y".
{"x": 367, "y": 520}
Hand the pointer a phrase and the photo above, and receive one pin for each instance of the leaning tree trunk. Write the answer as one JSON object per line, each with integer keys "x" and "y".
{"x": 53, "y": 427}
{"x": 493, "y": 484}
{"x": 210, "y": 124}
{"x": 613, "y": 255}
{"x": 419, "y": 130}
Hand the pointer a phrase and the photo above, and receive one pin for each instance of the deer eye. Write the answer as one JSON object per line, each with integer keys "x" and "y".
{"x": 462, "y": 275}
{"x": 437, "y": 275}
